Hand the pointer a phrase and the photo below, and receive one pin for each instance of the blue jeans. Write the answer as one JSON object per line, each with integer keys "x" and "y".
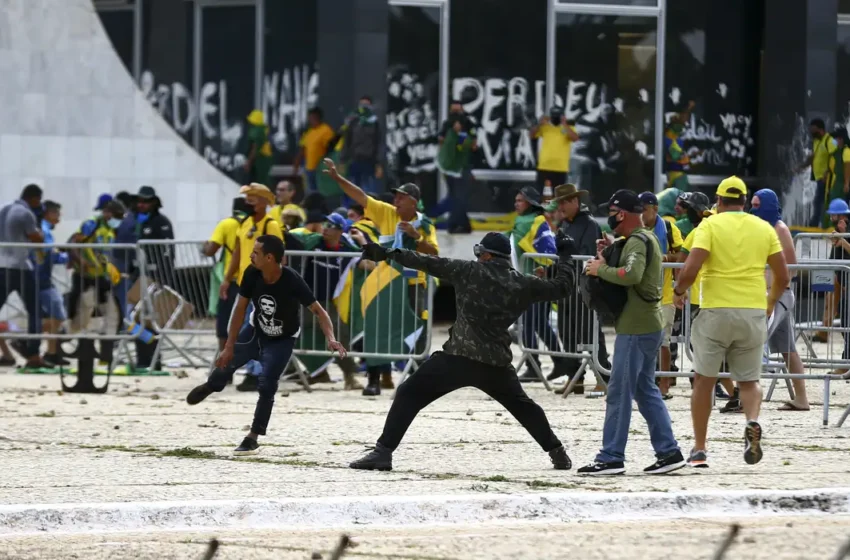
{"x": 459, "y": 191}
{"x": 362, "y": 174}
{"x": 312, "y": 182}
{"x": 253, "y": 366}
{"x": 633, "y": 378}
{"x": 274, "y": 353}
{"x": 818, "y": 206}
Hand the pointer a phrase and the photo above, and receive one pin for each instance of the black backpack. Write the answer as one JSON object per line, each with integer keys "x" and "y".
{"x": 607, "y": 299}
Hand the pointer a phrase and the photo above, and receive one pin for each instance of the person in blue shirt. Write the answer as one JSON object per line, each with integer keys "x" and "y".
{"x": 50, "y": 300}
{"x": 124, "y": 259}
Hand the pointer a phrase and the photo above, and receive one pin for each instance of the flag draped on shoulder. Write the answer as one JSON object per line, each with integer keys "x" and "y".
{"x": 390, "y": 324}
{"x": 532, "y": 234}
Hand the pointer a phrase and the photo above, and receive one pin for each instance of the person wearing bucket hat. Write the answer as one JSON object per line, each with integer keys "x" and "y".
{"x": 490, "y": 296}
{"x": 578, "y": 223}
{"x": 531, "y": 234}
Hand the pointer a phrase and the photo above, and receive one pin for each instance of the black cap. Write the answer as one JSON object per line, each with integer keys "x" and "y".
{"x": 147, "y": 193}
{"x": 627, "y": 201}
{"x": 410, "y": 190}
{"x": 532, "y": 196}
{"x": 497, "y": 244}
{"x": 648, "y": 199}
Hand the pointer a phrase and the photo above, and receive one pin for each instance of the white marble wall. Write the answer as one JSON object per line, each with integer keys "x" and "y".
{"x": 73, "y": 121}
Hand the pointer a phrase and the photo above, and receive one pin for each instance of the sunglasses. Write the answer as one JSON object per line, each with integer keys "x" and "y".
{"x": 332, "y": 225}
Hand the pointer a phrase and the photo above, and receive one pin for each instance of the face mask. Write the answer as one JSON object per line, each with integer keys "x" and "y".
{"x": 143, "y": 217}
{"x": 113, "y": 223}
{"x": 677, "y": 128}
{"x": 613, "y": 222}
{"x": 364, "y": 108}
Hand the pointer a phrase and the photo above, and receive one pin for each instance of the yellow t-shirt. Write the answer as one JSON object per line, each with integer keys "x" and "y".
{"x": 277, "y": 212}
{"x": 686, "y": 247}
{"x": 315, "y": 143}
{"x": 555, "y": 148}
{"x": 822, "y": 151}
{"x": 386, "y": 220}
{"x": 733, "y": 274}
{"x": 667, "y": 282}
{"x": 224, "y": 235}
{"x": 248, "y": 234}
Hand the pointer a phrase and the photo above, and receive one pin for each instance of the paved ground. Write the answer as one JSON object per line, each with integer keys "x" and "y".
{"x": 141, "y": 442}
{"x": 776, "y": 538}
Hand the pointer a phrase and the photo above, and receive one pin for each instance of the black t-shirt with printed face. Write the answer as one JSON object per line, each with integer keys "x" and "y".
{"x": 277, "y": 307}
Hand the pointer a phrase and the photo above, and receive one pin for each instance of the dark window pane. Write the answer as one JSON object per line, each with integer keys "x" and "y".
{"x": 843, "y": 74}
{"x": 291, "y": 77}
{"x": 605, "y": 80}
{"x": 119, "y": 27}
{"x": 613, "y": 2}
{"x": 227, "y": 90}
{"x": 844, "y": 6}
{"x": 413, "y": 93}
{"x": 713, "y": 56}
{"x": 498, "y": 70}
{"x": 167, "y": 62}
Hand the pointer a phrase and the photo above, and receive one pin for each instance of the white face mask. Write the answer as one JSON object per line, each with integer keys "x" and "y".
{"x": 113, "y": 223}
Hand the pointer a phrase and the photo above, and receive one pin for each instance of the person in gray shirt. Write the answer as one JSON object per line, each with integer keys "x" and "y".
{"x": 19, "y": 224}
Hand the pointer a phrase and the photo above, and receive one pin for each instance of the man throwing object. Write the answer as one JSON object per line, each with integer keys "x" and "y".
{"x": 490, "y": 296}
{"x": 277, "y": 293}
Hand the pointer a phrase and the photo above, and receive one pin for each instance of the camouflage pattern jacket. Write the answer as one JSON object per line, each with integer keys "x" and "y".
{"x": 489, "y": 297}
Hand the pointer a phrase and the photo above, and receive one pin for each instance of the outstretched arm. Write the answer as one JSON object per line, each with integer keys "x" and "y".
{"x": 327, "y": 328}
{"x": 559, "y": 287}
{"x": 354, "y": 192}
{"x": 450, "y": 269}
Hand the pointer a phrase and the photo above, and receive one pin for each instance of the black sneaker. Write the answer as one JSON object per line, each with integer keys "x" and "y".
{"x": 199, "y": 393}
{"x": 247, "y": 447}
{"x": 373, "y": 386}
{"x": 603, "y": 469}
{"x": 560, "y": 459}
{"x": 379, "y": 459}
{"x": 249, "y": 384}
{"x": 752, "y": 443}
{"x": 698, "y": 459}
{"x": 668, "y": 464}
{"x": 732, "y": 405}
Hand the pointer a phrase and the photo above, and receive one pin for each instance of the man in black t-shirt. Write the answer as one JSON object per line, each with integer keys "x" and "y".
{"x": 277, "y": 293}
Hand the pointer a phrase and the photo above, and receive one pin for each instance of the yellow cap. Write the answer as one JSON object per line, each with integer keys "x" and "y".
{"x": 732, "y": 187}
{"x": 256, "y": 117}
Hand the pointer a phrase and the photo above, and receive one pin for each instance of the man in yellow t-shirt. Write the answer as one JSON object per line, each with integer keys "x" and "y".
{"x": 731, "y": 250}
{"x": 257, "y": 199}
{"x": 223, "y": 238}
{"x": 556, "y": 136}
{"x": 314, "y": 145}
{"x": 670, "y": 241}
{"x": 823, "y": 147}
{"x": 287, "y": 213}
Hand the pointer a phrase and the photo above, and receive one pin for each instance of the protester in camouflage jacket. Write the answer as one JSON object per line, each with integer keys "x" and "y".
{"x": 489, "y": 295}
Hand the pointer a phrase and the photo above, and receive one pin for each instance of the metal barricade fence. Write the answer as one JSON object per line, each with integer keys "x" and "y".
{"x": 380, "y": 313}
{"x": 563, "y": 327}
{"x": 812, "y": 283}
{"x": 65, "y": 291}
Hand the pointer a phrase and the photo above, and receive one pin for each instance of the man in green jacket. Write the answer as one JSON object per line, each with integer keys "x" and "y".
{"x": 639, "y": 330}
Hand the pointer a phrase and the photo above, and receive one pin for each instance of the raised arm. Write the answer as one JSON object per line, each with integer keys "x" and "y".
{"x": 354, "y": 192}
{"x": 559, "y": 287}
{"x": 450, "y": 269}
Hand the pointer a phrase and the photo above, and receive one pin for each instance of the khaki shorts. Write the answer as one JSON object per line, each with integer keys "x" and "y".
{"x": 668, "y": 316}
{"x": 734, "y": 335}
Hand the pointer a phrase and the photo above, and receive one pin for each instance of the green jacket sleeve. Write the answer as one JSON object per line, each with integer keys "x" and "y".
{"x": 634, "y": 264}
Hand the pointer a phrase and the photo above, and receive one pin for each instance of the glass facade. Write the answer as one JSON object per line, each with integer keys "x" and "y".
{"x": 205, "y": 64}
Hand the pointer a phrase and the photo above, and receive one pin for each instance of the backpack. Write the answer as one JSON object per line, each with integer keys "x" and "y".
{"x": 606, "y": 299}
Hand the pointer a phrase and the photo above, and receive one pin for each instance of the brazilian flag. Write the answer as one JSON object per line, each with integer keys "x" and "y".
{"x": 390, "y": 324}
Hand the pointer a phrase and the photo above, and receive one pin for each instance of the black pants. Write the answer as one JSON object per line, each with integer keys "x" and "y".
{"x": 274, "y": 354}
{"x": 443, "y": 373}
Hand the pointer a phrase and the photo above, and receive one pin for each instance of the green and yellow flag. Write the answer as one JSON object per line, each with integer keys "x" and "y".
{"x": 390, "y": 324}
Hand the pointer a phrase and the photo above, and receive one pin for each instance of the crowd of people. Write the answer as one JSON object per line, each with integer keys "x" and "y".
{"x": 101, "y": 277}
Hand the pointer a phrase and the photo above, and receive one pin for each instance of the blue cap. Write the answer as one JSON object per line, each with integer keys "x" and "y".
{"x": 648, "y": 198}
{"x": 838, "y": 208}
{"x": 338, "y": 221}
{"x": 103, "y": 200}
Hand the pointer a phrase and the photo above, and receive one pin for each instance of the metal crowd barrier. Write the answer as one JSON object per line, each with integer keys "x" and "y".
{"x": 398, "y": 328}
{"x": 814, "y": 284}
